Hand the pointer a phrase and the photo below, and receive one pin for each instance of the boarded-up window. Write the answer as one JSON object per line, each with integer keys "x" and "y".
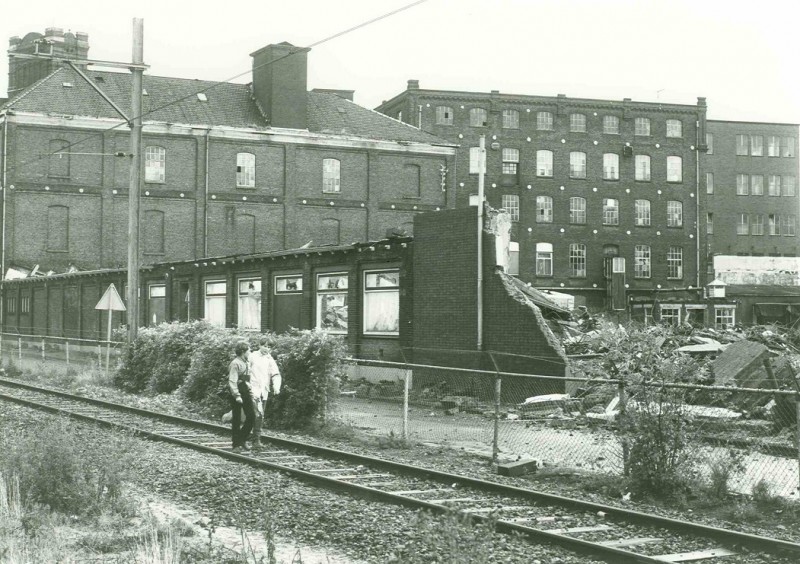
{"x": 58, "y": 228}
{"x": 412, "y": 180}
{"x": 245, "y": 234}
{"x": 331, "y": 232}
{"x": 153, "y": 233}
{"x": 58, "y": 166}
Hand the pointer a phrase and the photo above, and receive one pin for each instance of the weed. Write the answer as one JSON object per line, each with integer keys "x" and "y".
{"x": 392, "y": 441}
{"x": 721, "y": 470}
{"x": 452, "y": 538}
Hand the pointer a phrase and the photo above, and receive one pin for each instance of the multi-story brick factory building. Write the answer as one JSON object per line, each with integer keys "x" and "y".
{"x": 584, "y": 180}
{"x": 228, "y": 168}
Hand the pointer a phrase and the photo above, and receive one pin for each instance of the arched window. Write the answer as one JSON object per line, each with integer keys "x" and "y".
{"x": 478, "y": 117}
{"x": 544, "y": 163}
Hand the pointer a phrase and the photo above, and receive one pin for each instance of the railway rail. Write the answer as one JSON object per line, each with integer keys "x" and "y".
{"x": 610, "y": 533}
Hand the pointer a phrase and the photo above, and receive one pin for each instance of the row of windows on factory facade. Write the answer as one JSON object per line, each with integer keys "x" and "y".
{"x": 577, "y": 260}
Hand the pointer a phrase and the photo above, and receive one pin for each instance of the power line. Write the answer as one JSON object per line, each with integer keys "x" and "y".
{"x": 214, "y": 85}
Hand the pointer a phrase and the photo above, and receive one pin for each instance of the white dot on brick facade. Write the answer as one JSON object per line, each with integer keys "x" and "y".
{"x": 691, "y": 147}
{"x": 563, "y": 140}
{"x": 562, "y": 284}
{"x": 494, "y": 185}
{"x": 529, "y": 139}
{"x": 462, "y": 107}
{"x": 594, "y": 285}
{"x": 628, "y": 232}
{"x": 691, "y": 195}
{"x": 627, "y": 190}
{"x": 561, "y": 188}
{"x": 392, "y": 206}
{"x": 594, "y": 231}
{"x": 595, "y": 142}
{"x": 461, "y": 184}
{"x": 362, "y": 204}
{"x": 214, "y": 197}
{"x": 182, "y": 194}
{"x": 594, "y": 114}
{"x": 627, "y": 285}
{"x": 627, "y": 144}
{"x": 494, "y": 137}
{"x": 691, "y": 235}
{"x": 113, "y": 191}
{"x": 304, "y": 201}
{"x": 658, "y": 232}
{"x": 331, "y": 203}
{"x": 147, "y": 193}
{"x": 658, "y": 145}
{"x": 427, "y": 105}
{"x": 659, "y": 192}
{"x": 562, "y": 230}
{"x": 530, "y": 229}
{"x": 244, "y": 198}
{"x": 47, "y": 188}
{"x": 460, "y": 135}
{"x": 529, "y": 186}
{"x": 594, "y": 189}
{"x": 437, "y": 209}
{"x": 658, "y": 285}
{"x": 415, "y": 207}
{"x": 528, "y": 110}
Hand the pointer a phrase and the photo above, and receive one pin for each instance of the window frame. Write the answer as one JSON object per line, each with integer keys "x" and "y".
{"x": 510, "y": 119}
{"x": 757, "y": 224}
{"x": 544, "y": 121}
{"x": 742, "y": 145}
{"x": 610, "y": 212}
{"x": 442, "y": 117}
{"x": 245, "y": 171}
{"x": 577, "y": 210}
{"x": 721, "y": 313}
{"x": 544, "y": 209}
{"x": 333, "y": 293}
{"x": 510, "y": 203}
{"x": 743, "y": 224}
{"x": 212, "y": 298}
{"x": 577, "y": 170}
{"x": 155, "y": 164}
{"x": 510, "y": 158}
{"x": 642, "y": 174}
{"x": 610, "y": 125}
{"x": 641, "y": 127}
{"x": 577, "y": 260}
{"x": 544, "y": 259}
{"x": 369, "y": 291}
{"x": 331, "y": 176}
{"x": 611, "y": 172}
{"x": 548, "y": 173}
{"x": 709, "y": 185}
{"x": 475, "y": 115}
{"x": 641, "y": 216}
{"x": 756, "y": 145}
{"x": 674, "y": 214}
{"x": 241, "y": 296}
{"x": 674, "y": 262}
{"x": 674, "y": 128}
{"x": 672, "y": 160}
{"x": 577, "y": 123}
{"x": 642, "y": 262}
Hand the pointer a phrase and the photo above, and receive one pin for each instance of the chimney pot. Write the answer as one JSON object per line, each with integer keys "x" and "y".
{"x": 413, "y": 84}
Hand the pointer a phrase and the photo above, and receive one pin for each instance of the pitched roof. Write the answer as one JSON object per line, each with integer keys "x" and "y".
{"x": 175, "y": 100}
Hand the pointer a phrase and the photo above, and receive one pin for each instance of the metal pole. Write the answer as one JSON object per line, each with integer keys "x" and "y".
{"x": 135, "y": 179}
{"x": 481, "y": 180}
{"x": 498, "y": 383}
{"x": 66, "y": 348}
{"x": 797, "y": 424}
{"x": 43, "y": 349}
{"x": 108, "y": 346}
{"x": 405, "y": 404}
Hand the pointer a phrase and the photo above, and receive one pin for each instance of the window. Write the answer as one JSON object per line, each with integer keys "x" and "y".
{"x": 709, "y": 183}
{"x": 510, "y": 161}
{"x": 756, "y": 146}
{"x": 511, "y": 205}
{"x": 743, "y": 226}
{"x": 724, "y": 317}
{"x": 773, "y": 146}
{"x": 788, "y": 147}
{"x": 788, "y": 225}
{"x": 611, "y": 125}
{"x": 756, "y": 184}
{"x": 674, "y": 214}
{"x": 674, "y": 169}
{"x": 757, "y": 224}
{"x": 742, "y": 144}
{"x": 474, "y": 160}
{"x": 674, "y": 128}
{"x": 774, "y": 224}
{"x": 58, "y": 166}
{"x": 400, "y": 115}
{"x": 577, "y": 260}
{"x": 215, "y": 299}
{"x": 478, "y": 117}
{"x": 642, "y": 166}
{"x": 332, "y": 302}
{"x": 544, "y": 163}
{"x": 382, "y": 302}
{"x": 788, "y": 185}
{"x": 774, "y": 185}
{"x": 641, "y": 261}
{"x": 57, "y": 228}
{"x": 675, "y": 262}
{"x": 544, "y": 209}
{"x": 249, "y": 302}
{"x": 642, "y": 215}
{"x": 577, "y": 210}
{"x": 577, "y": 123}
{"x": 245, "y": 170}
{"x": 25, "y": 304}
{"x": 510, "y": 119}
{"x": 709, "y": 144}
{"x": 610, "y": 166}
{"x": 742, "y": 185}
{"x": 641, "y": 126}
{"x": 610, "y": 211}
{"x": 710, "y": 223}
{"x": 670, "y": 314}
{"x": 577, "y": 164}
{"x": 11, "y": 304}
{"x": 288, "y": 285}
{"x": 444, "y": 115}
{"x": 544, "y": 121}
{"x": 331, "y": 176}
{"x": 155, "y": 164}
{"x": 153, "y": 228}
{"x": 544, "y": 259}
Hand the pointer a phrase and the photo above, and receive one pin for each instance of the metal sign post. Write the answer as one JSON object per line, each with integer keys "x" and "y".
{"x": 110, "y": 302}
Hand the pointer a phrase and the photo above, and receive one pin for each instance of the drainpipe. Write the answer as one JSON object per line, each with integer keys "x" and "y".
{"x": 481, "y": 175}
{"x": 205, "y": 197}
{"x": 4, "y": 187}
{"x": 697, "y": 206}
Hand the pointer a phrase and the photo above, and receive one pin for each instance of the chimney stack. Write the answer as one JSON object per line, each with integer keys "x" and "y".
{"x": 280, "y": 84}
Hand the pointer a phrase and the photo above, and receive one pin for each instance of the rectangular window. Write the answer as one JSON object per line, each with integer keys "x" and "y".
{"x": 444, "y": 115}
{"x": 742, "y": 144}
{"x": 610, "y": 211}
{"x": 756, "y": 146}
{"x": 710, "y": 143}
{"x": 611, "y": 125}
{"x": 674, "y": 214}
{"x": 215, "y": 298}
{"x": 774, "y": 224}
{"x": 544, "y": 163}
{"x": 577, "y": 164}
{"x": 774, "y": 185}
{"x": 25, "y": 304}
{"x": 641, "y": 126}
{"x": 670, "y": 314}
{"x": 544, "y": 121}
{"x": 511, "y": 205}
{"x": 757, "y": 184}
{"x": 757, "y": 224}
{"x": 11, "y": 305}
{"x": 773, "y": 146}
{"x": 788, "y": 185}
{"x": 544, "y": 209}
{"x": 709, "y": 183}
{"x": 577, "y": 210}
{"x": 743, "y": 226}
{"x": 674, "y": 169}
{"x": 475, "y": 160}
{"x": 331, "y": 176}
{"x": 641, "y": 261}
{"x": 675, "y": 263}
{"x": 58, "y": 166}
{"x": 642, "y": 216}
{"x": 478, "y": 117}
{"x": 544, "y": 259}
{"x": 510, "y": 161}
{"x": 155, "y": 164}
{"x": 245, "y": 170}
{"x": 577, "y": 123}
{"x": 674, "y": 128}
{"x": 288, "y": 284}
{"x": 332, "y": 302}
{"x": 724, "y": 317}
{"x": 788, "y": 225}
{"x": 510, "y": 119}
{"x": 610, "y": 166}
{"x": 156, "y": 304}
{"x": 788, "y": 147}
{"x": 577, "y": 260}
{"x": 249, "y": 302}
{"x": 710, "y": 223}
{"x": 382, "y": 302}
{"x": 642, "y": 167}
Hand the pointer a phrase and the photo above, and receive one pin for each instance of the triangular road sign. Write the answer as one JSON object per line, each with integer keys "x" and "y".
{"x": 111, "y": 300}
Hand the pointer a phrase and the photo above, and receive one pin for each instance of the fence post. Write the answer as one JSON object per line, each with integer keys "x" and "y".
{"x": 797, "y": 424}
{"x": 66, "y": 349}
{"x": 621, "y": 419}
{"x": 99, "y": 356}
{"x": 43, "y": 354}
{"x": 19, "y": 350}
{"x": 406, "y": 391}
{"x": 498, "y": 382}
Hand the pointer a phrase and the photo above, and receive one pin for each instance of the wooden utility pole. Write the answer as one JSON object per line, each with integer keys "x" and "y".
{"x": 135, "y": 178}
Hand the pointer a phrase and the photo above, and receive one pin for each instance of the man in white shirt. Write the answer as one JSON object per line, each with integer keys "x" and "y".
{"x": 265, "y": 375}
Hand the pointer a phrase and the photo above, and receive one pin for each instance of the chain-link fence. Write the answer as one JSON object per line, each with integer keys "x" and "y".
{"x": 27, "y": 351}
{"x": 751, "y": 435}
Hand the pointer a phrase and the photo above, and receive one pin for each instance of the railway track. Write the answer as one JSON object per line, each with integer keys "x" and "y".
{"x": 611, "y": 533}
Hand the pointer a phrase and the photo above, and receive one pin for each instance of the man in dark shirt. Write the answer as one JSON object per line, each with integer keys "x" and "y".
{"x": 241, "y": 397}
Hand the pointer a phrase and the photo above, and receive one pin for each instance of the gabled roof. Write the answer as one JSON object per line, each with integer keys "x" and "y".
{"x": 65, "y": 92}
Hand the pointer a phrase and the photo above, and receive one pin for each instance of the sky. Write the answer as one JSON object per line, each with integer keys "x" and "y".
{"x": 741, "y": 56}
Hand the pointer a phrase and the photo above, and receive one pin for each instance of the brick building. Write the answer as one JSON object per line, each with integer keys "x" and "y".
{"x": 583, "y": 180}
{"x": 227, "y": 168}
{"x": 750, "y": 200}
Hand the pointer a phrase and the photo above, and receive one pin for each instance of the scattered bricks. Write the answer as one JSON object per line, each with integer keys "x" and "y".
{"x": 517, "y": 468}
